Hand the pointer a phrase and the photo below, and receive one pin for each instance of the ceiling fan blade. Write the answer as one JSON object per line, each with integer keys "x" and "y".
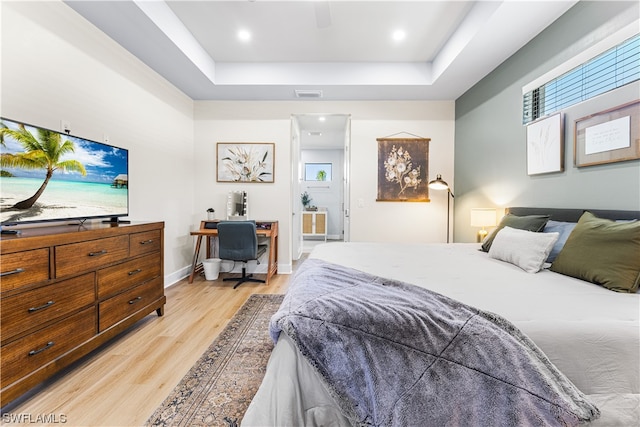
{"x": 323, "y": 13}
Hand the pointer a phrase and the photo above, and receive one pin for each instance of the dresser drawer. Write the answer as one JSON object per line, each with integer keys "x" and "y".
{"x": 112, "y": 280}
{"x": 145, "y": 242}
{"x": 24, "y": 268}
{"x": 30, "y": 309}
{"x": 33, "y": 351}
{"x": 121, "y": 306}
{"x": 89, "y": 255}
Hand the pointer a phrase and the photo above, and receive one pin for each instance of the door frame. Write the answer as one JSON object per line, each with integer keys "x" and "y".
{"x": 297, "y": 181}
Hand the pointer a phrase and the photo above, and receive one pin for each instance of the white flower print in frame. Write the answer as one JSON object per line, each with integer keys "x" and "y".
{"x": 245, "y": 162}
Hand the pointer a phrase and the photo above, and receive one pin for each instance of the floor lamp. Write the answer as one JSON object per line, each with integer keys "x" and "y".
{"x": 439, "y": 184}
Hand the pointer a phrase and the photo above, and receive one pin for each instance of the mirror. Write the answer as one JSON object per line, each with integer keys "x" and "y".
{"x": 237, "y": 206}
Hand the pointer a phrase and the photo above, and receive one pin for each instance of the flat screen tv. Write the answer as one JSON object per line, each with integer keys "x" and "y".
{"x": 52, "y": 176}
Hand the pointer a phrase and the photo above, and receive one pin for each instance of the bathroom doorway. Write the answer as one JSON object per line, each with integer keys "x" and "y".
{"x": 320, "y": 155}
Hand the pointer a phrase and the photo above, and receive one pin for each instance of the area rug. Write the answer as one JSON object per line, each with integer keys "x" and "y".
{"x": 219, "y": 387}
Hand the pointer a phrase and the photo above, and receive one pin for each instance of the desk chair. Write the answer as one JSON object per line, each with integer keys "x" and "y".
{"x": 238, "y": 241}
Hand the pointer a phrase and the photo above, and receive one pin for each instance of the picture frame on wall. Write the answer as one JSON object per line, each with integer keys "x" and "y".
{"x": 403, "y": 169}
{"x": 608, "y": 136}
{"x": 245, "y": 162}
{"x": 545, "y": 145}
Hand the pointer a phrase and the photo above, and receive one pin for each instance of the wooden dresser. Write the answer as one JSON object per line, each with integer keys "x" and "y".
{"x": 65, "y": 290}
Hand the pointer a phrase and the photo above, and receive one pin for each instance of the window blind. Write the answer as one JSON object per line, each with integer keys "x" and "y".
{"x": 612, "y": 69}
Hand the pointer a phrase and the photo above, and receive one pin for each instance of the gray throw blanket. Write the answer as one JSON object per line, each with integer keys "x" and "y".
{"x": 394, "y": 354}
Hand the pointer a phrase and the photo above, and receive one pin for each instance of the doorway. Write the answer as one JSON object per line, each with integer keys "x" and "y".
{"x": 320, "y": 145}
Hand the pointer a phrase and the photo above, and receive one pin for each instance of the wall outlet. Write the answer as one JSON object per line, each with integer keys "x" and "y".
{"x": 361, "y": 203}
{"x": 65, "y": 126}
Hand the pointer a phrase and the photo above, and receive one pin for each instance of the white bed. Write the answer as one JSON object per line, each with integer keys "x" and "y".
{"x": 590, "y": 333}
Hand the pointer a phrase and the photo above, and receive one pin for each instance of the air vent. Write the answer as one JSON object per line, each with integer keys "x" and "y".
{"x": 315, "y": 133}
{"x": 308, "y": 93}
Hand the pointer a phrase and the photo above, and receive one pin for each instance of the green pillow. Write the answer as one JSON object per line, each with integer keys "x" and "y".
{"x": 604, "y": 252}
{"x": 527, "y": 222}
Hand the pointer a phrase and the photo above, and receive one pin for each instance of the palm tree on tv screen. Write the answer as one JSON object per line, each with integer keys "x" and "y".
{"x": 43, "y": 152}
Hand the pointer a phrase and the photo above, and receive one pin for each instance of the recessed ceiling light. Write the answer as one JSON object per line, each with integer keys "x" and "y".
{"x": 322, "y": 118}
{"x": 244, "y": 35}
{"x": 398, "y": 35}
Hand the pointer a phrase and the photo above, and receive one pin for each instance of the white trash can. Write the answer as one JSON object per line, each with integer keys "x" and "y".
{"x": 211, "y": 268}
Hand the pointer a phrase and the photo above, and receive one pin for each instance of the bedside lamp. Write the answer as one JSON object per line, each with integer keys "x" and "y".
{"x": 483, "y": 217}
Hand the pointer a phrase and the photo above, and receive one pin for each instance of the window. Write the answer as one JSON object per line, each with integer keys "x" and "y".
{"x": 612, "y": 69}
{"x": 317, "y": 171}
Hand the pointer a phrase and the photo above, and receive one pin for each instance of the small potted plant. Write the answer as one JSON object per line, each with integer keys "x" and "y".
{"x": 305, "y": 199}
{"x": 211, "y": 214}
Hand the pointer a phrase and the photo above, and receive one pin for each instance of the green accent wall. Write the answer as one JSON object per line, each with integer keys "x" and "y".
{"x": 490, "y": 140}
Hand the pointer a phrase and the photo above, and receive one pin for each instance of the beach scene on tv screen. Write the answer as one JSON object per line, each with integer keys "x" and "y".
{"x": 47, "y": 175}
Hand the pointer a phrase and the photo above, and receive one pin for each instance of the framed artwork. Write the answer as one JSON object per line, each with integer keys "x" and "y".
{"x": 545, "y": 145}
{"x": 608, "y": 136}
{"x": 403, "y": 168}
{"x": 245, "y": 162}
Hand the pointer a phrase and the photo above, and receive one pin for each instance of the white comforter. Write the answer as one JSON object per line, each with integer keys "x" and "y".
{"x": 590, "y": 333}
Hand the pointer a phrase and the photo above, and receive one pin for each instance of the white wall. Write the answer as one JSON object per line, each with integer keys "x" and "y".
{"x": 266, "y": 201}
{"x": 56, "y": 66}
{"x": 397, "y": 221}
{"x": 265, "y": 121}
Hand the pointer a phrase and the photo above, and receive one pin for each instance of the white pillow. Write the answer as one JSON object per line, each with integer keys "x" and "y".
{"x": 526, "y": 249}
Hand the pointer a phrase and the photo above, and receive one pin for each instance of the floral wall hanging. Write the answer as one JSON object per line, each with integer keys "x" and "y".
{"x": 403, "y": 168}
{"x": 245, "y": 162}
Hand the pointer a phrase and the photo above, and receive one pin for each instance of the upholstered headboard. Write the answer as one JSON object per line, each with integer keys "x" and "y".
{"x": 573, "y": 215}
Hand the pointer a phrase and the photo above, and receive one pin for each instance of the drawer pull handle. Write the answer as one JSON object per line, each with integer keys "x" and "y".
{"x": 146, "y": 242}
{"x": 48, "y": 304}
{"x": 102, "y": 252}
{"x": 40, "y": 350}
{"x": 136, "y": 271}
{"x": 16, "y": 271}
{"x": 135, "y": 300}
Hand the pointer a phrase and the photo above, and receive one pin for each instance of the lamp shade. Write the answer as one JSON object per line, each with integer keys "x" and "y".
{"x": 438, "y": 183}
{"x": 483, "y": 217}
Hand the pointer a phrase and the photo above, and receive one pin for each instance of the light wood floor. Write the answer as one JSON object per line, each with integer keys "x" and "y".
{"x": 122, "y": 383}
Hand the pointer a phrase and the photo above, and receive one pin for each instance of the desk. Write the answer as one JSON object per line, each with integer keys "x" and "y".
{"x": 264, "y": 229}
